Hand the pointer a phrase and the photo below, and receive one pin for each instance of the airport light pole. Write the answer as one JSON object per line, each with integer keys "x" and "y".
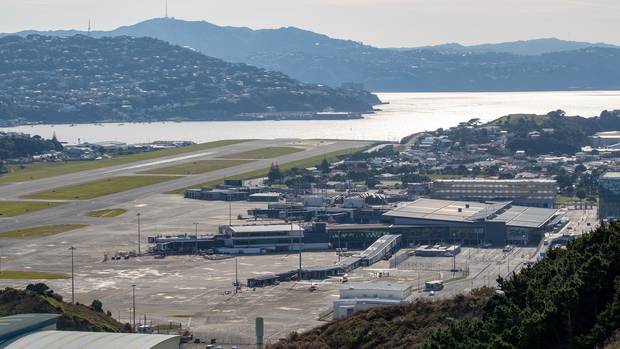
{"x": 133, "y": 307}
{"x": 72, "y": 248}
{"x": 196, "y": 233}
{"x": 138, "y": 215}
{"x": 300, "y": 277}
{"x": 339, "y": 248}
{"x": 236, "y": 275}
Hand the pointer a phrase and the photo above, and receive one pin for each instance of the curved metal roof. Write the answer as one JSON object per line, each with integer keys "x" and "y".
{"x": 94, "y": 340}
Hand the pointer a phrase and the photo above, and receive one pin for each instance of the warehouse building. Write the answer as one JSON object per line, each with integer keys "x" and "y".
{"x": 16, "y": 326}
{"x": 468, "y": 222}
{"x": 94, "y": 340}
{"x": 216, "y": 194}
{"x": 525, "y": 192}
{"x": 362, "y": 296}
{"x": 605, "y": 139}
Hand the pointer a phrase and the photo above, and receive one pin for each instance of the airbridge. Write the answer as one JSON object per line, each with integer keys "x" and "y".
{"x": 383, "y": 248}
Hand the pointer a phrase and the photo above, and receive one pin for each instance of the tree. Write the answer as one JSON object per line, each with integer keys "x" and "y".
{"x": 462, "y": 170}
{"x": 274, "y": 174}
{"x": 324, "y": 166}
{"x": 97, "y": 306}
{"x": 580, "y": 168}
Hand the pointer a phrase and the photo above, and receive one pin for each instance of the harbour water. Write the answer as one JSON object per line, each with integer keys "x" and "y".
{"x": 405, "y": 114}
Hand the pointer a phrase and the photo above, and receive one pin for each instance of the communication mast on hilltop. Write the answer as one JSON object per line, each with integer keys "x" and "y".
{"x": 166, "y": 13}
{"x": 89, "y": 26}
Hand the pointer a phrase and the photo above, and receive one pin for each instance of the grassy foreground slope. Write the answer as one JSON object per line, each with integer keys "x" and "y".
{"x": 39, "y": 298}
{"x": 571, "y": 299}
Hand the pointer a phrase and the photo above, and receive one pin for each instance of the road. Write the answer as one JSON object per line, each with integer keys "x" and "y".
{"x": 72, "y": 211}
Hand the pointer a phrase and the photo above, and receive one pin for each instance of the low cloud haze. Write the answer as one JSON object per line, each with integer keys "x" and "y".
{"x": 384, "y": 23}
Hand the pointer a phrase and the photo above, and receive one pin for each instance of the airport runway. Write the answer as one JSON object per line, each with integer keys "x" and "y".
{"x": 72, "y": 211}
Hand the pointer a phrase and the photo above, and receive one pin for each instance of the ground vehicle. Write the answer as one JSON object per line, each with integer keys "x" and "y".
{"x": 433, "y": 286}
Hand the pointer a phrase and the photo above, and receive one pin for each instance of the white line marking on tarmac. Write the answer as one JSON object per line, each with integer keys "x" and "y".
{"x": 160, "y": 162}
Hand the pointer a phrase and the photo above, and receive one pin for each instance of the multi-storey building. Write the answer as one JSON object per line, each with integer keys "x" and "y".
{"x": 525, "y": 192}
{"x": 609, "y": 196}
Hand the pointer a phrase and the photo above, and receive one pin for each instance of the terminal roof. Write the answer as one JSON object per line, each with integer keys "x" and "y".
{"x": 469, "y": 211}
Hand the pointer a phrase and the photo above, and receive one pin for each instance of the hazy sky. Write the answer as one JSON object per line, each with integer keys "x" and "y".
{"x": 378, "y": 22}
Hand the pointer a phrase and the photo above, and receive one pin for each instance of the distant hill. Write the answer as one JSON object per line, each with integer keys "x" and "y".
{"x": 524, "y": 47}
{"x": 84, "y": 79}
{"x": 570, "y": 299}
{"x": 545, "y": 64}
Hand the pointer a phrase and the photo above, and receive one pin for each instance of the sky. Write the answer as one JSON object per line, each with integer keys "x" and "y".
{"x": 382, "y": 23}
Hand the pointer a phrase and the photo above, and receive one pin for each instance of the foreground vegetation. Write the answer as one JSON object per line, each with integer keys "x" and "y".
{"x": 12, "y": 147}
{"x": 38, "y": 170}
{"x": 16, "y": 208}
{"x": 29, "y": 275}
{"x": 103, "y": 187}
{"x": 571, "y": 299}
{"x": 38, "y": 298}
{"x": 40, "y": 231}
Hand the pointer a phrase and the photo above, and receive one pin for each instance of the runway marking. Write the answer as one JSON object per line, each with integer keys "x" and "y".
{"x": 160, "y": 162}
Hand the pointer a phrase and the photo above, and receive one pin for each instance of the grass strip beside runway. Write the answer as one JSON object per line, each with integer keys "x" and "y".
{"x": 303, "y": 163}
{"x": 29, "y": 275}
{"x": 41, "y": 231}
{"x": 16, "y": 208}
{"x": 109, "y": 213}
{"x": 99, "y": 188}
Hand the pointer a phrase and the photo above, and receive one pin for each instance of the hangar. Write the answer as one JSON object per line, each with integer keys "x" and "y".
{"x": 94, "y": 340}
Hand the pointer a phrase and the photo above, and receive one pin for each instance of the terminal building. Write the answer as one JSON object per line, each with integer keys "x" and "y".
{"x": 421, "y": 222}
{"x": 469, "y": 222}
{"x": 609, "y": 196}
{"x": 526, "y": 192}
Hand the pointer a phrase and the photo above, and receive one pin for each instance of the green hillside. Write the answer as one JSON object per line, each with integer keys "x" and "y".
{"x": 74, "y": 317}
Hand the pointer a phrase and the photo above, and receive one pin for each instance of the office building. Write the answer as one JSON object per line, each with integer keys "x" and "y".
{"x": 609, "y": 196}
{"x": 525, "y": 192}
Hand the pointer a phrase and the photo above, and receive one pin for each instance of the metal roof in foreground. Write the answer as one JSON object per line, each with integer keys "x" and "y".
{"x": 94, "y": 340}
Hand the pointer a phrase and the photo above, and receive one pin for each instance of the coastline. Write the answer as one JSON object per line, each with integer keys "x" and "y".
{"x": 285, "y": 116}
